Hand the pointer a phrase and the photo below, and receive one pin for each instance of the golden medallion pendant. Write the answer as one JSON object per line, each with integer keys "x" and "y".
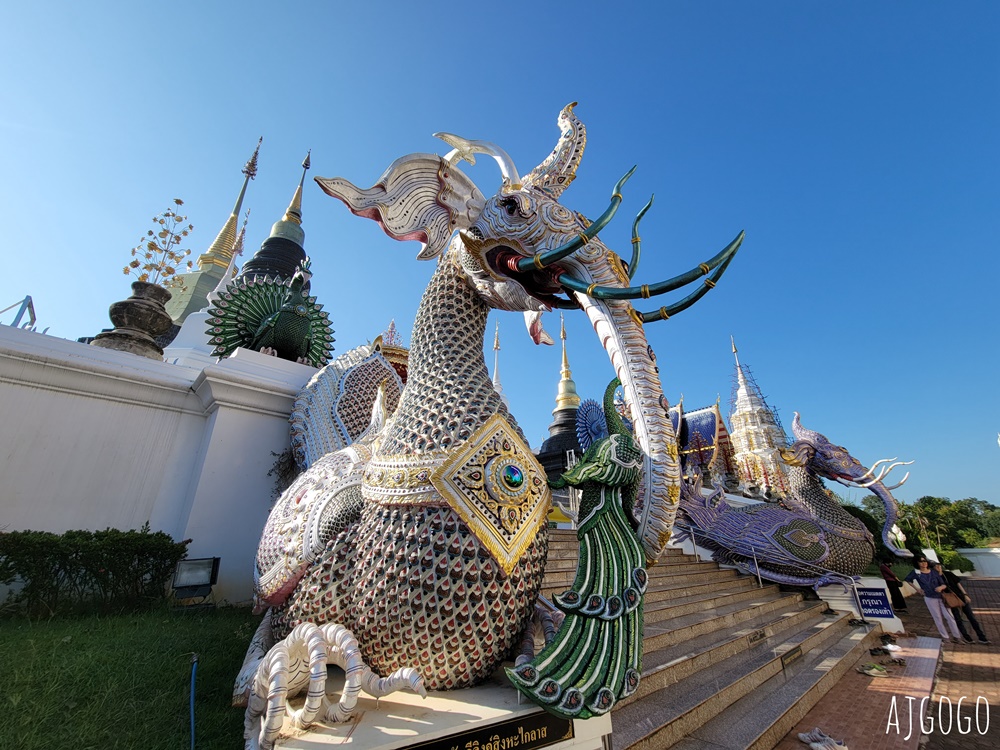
{"x": 498, "y": 488}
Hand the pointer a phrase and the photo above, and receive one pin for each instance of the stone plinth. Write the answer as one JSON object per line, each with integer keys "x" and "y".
{"x": 456, "y": 718}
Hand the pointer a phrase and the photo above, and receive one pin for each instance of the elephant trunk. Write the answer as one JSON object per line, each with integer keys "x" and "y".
{"x": 622, "y": 337}
{"x": 891, "y": 516}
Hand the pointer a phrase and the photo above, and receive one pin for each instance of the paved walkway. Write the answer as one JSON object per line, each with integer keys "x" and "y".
{"x": 859, "y": 709}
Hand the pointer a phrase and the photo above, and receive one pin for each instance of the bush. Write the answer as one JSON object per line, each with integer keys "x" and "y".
{"x": 951, "y": 560}
{"x": 86, "y": 571}
{"x": 874, "y": 527}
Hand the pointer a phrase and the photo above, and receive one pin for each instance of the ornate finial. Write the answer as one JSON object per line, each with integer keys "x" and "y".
{"x": 390, "y": 336}
{"x": 496, "y": 338}
{"x": 221, "y": 250}
{"x": 294, "y": 212}
{"x": 250, "y": 168}
{"x": 736, "y": 354}
{"x": 562, "y": 328}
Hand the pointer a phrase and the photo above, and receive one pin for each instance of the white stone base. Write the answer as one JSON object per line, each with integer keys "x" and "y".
{"x": 404, "y": 719}
{"x": 842, "y": 601}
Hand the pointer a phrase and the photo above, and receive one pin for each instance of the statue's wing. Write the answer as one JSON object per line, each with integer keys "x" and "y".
{"x": 419, "y": 197}
{"x": 323, "y": 501}
{"x": 335, "y": 406}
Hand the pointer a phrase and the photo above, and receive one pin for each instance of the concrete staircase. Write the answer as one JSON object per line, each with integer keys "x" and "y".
{"x": 726, "y": 664}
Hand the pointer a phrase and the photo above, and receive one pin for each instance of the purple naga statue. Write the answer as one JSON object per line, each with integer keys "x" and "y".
{"x": 806, "y": 539}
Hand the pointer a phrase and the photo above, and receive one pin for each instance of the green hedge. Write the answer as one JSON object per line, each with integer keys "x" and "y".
{"x": 86, "y": 571}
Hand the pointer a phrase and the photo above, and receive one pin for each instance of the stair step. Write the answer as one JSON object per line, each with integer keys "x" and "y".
{"x": 666, "y": 608}
{"x": 667, "y": 587}
{"x": 759, "y": 722}
{"x": 657, "y": 635}
{"x": 660, "y": 570}
{"x": 666, "y": 666}
{"x": 664, "y": 717}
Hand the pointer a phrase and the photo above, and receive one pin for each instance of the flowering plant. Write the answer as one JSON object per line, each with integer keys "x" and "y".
{"x": 158, "y": 257}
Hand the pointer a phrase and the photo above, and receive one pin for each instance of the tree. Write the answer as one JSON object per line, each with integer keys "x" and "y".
{"x": 158, "y": 256}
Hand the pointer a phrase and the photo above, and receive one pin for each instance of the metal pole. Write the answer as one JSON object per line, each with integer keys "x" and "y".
{"x": 756, "y": 567}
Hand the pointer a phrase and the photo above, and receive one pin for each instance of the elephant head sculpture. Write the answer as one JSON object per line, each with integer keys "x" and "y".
{"x": 522, "y": 250}
{"x": 820, "y": 457}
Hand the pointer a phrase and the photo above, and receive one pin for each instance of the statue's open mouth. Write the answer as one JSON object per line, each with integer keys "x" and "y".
{"x": 543, "y": 284}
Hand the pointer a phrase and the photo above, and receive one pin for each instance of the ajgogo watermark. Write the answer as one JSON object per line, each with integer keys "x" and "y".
{"x": 949, "y": 716}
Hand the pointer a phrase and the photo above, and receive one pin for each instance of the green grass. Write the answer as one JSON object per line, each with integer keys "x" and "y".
{"x": 122, "y": 682}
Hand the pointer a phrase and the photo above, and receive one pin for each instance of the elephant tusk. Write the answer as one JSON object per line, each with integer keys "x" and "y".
{"x": 547, "y": 258}
{"x": 871, "y": 471}
{"x": 665, "y": 312}
{"x": 633, "y": 265}
{"x": 650, "y": 290}
{"x": 466, "y": 149}
{"x": 900, "y": 483}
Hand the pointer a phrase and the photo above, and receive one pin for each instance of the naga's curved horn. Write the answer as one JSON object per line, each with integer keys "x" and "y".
{"x": 558, "y": 170}
{"x": 801, "y": 433}
{"x": 466, "y": 149}
{"x": 651, "y": 290}
{"x": 541, "y": 260}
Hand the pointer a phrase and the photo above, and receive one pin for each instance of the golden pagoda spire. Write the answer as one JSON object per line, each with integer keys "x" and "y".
{"x": 221, "y": 251}
{"x": 289, "y": 226}
{"x": 497, "y": 385}
{"x": 566, "y": 397}
{"x": 294, "y": 211}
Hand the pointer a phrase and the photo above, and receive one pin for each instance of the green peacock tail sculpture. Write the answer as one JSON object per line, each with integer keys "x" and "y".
{"x": 272, "y": 316}
{"x": 595, "y": 658}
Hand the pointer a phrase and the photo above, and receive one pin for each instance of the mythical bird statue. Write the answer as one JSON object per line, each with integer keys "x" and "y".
{"x": 442, "y": 512}
{"x": 595, "y": 659}
{"x": 807, "y": 539}
{"x": 274, "y": 317}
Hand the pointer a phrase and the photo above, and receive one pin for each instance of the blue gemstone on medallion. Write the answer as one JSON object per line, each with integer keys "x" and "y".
{"x": 512, "y": 476}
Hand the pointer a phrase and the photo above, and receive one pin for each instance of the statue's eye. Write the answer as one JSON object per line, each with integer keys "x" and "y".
{"x": 509, "y": 205}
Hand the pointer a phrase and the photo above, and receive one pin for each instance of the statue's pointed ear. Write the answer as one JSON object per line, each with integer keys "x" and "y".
{"x": 799, "y": 453}
{"x": 419, "y": 197}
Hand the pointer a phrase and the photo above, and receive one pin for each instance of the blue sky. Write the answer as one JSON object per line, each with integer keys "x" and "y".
{"x": 855, "y": 142}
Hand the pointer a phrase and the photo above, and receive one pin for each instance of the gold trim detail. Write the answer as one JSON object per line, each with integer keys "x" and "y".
{"x": 590, "y": 290}
{"x": 583, "y": 237}
{"x": 704, "y": 268}
{"x": 616, "y": 195}
{"x": 644, "y": 291}
{"x": 537, "y": 260}
{"x": 710, "y": 284}
{"x": 498, "y": 489}
{"x": 663, "y": 313}
{"x": 636, "y": 240}
{"x": 636, "y": 316}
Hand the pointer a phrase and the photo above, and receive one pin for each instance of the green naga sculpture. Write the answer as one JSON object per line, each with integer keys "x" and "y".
{"x": 595, "y": 658}
{"x": 272, "y": 317}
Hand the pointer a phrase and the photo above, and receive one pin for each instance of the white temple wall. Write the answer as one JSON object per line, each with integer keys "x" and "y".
{"x": 92, "y": 438}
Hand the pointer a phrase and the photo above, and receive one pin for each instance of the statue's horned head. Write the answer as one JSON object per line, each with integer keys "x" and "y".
{"x": 820, "y": 456}
{"x": 521, "y": 249}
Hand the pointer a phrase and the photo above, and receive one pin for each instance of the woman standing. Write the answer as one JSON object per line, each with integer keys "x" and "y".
{"x": 932, "y": 584}
{"x": 959, "y": 590}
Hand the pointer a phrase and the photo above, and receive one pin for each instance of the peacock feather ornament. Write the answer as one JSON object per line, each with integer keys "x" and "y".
{"x": 270, "y": 315}
{"x": 595, "y": 658}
